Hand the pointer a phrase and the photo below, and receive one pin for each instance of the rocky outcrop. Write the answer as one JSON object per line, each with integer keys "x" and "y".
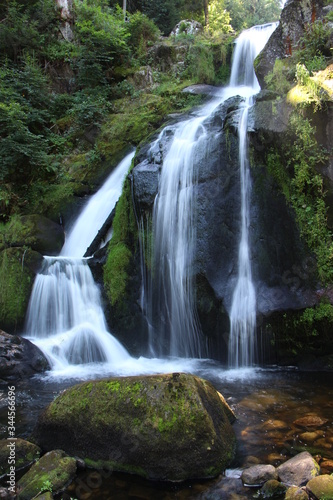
{"x": 19, "y": 358}
{"x": 275, "y": 241}
{"x": 145, "y": 425}
{"x": 295, "y": 16}
{"x": 187, "y": 27}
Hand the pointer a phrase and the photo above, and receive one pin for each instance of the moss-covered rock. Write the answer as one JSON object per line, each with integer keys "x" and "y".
{"x": 19, "y": 358}
{"x": 25, "y": 454}
{"x": 17, "y": 272}
{"x": 321, "y": 487}
{"x": 47, "y": 236}
{"x": 167, "y": 427}
{"x": 53, "y": 472}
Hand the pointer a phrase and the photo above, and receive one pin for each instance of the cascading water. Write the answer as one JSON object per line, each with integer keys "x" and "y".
{"x": 172, "y": 304}
{"x": 172, "y": 309}
{"x": 65, "y": 317}
{"x": 241, "y": 349}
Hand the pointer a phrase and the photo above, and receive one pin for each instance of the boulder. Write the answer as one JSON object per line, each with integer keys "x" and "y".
{"x": 169, "y": 427}
{"x": 321, "y": 487}
{"x": 19, "y": 358}
{"x": 53, "y": 472}
{"x": 298, "y": 470}
{"x": 25, "y": 454}
{"x": 258, "y": 475}
{"x": 47, "y": 236}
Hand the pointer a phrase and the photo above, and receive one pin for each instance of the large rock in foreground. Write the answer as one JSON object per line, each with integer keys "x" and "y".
{"x": 164, "y": 427}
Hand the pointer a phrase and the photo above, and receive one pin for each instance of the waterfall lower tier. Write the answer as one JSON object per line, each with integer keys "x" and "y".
{"x": 65, "y": 318}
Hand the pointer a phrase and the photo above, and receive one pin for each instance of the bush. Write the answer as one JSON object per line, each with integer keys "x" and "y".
{"x": 143, "y": 32}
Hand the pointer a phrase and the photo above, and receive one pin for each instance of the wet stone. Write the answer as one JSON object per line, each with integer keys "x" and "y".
{"x": 275, "y": 425}
{"x": 258, "y": 475}
{"x": 296, "y": 493}
{"x": 321, "y": 487}
{"x": 298, "y": 470}
{"x": 308, "y": 437}
{"x": 310, "y": 421}
{"x": 273, "y": 489}
{"x": 326, "y": 466}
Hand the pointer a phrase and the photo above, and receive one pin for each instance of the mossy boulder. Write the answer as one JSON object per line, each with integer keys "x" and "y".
{"x": 18, "y": 267}
{"x": 169, "y": 427}
{"x": 19, "y": 358}
{"x": 25, "y": 454}
{"x": 47, "y": 237}
{"x": 54, "y": 471}
{"x": 321, "y": 487}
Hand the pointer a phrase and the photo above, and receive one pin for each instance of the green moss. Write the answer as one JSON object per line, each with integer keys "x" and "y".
{"x": 133, "y": 121}
{"x": 113, "y": 465}
{"x": 296, "y": 169}
{"x": 121, "y": 250}
{"x": 16, "y": 282}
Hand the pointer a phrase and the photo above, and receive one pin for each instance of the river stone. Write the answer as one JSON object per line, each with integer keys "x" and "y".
{"x": 258, "y": 474}
{"x": 321, "y": 487}
{"x": 19, "y": 358}
{"x": 54, "y": 469}
{"x": 296, "y": 493}
{"x": 165, "y": 427}
{"x": 273, "y": 489}
{"x": 298, "y": 470}
{"x": 310, "y": 421}
{"x": 25, "y": 454}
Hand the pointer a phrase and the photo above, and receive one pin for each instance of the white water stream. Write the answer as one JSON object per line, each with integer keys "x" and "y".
{"x": 65, "y": 316}
{"x": 241, "y": 348}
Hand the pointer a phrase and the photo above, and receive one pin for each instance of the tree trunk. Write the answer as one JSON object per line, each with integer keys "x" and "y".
{"x": 206, "y": 12}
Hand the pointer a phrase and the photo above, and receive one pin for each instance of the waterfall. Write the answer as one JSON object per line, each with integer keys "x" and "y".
{"x": 171, "y": 309}
{"x": 241, "y": 349}
{"x": 65, "y": 316}
{"x": 177, "y": 332}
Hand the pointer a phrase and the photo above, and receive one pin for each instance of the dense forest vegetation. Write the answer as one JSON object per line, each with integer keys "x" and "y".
{"x": 58, "y": 91}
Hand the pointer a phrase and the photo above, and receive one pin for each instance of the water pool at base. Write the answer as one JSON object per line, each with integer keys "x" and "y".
{"x": 266, "y": 402}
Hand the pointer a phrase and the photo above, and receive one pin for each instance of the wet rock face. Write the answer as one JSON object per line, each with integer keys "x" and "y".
{"x": 274, "y": 238}
{"x": 165, "y": 427}
{"x": 293, "y": 20}
{"x": 19, "y": 358}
